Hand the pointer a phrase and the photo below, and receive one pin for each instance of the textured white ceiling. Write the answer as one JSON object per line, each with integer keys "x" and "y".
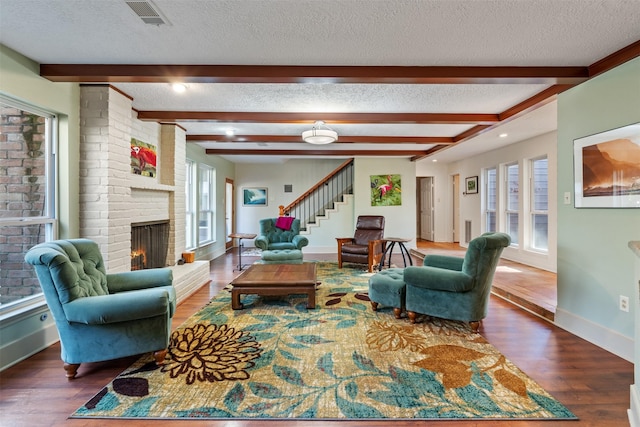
{"x": 331, "y": 32}
{"x": 326, "y": 32}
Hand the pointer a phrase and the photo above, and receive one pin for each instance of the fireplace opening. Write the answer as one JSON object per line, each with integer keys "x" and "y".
{"x": 149, "y": 244}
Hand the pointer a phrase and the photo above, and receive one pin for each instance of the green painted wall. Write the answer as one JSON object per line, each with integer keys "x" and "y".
{"x": 20, "y": 79}
{"x": 224, "y": 169}
{"x": 33, "y": 329}
{"x": 595, "y": 265}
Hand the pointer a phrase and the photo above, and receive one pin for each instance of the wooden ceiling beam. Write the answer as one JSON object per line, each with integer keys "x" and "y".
{"x": 342, "y": 139}
{"x": 526, "y": 106}
{"x": 310, "y": 118}
{"x": 168, "y": 73}
{"x": 616, "y": 58}
{"x": 316, "y": 152}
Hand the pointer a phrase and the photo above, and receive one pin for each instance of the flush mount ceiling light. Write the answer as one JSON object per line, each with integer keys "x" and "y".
{"x": 179, "y": 87}
{"x": 320, "y": 134}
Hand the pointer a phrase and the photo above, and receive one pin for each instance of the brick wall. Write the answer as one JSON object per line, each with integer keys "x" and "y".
{"x": 105, "y": 193}
{"x": 22, "y": 178}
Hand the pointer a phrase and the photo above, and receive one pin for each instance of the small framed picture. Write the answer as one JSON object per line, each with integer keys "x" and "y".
{"x": 254, "y": 196}
{"x": 471, "y": 185}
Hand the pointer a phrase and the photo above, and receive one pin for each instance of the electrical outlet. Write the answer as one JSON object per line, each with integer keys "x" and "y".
{"x": 624, "y": 303}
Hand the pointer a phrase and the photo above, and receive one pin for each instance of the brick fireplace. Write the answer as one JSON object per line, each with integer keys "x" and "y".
{"x": 149, "y": 242}
{"x": 112, "y": 197}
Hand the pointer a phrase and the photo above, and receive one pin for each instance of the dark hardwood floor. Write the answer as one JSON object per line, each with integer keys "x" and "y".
{"x": 591, "y": 382}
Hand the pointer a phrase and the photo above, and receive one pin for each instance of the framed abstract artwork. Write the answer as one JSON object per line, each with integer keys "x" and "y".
{"x": 254, "y": 196}
{"x": 607, "y": 169}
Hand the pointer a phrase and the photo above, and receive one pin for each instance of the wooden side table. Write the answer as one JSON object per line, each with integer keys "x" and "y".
{"x": 389, "y": 250}
{"x": 241, "y": 236}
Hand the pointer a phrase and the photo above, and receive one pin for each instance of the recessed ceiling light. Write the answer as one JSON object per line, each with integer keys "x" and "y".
{"x": 434, "y": 160}
{"x": 179, "y": 87}
{"x": 503, "y": 135}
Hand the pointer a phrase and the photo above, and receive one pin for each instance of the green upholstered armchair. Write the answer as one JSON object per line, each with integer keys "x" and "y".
{"x": 455, "y": 288}
{"x": 102, "y": 316}
{"x": 280, "y": 233}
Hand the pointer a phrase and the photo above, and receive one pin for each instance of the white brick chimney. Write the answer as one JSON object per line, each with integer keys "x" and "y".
{"x": 111, "y": 196}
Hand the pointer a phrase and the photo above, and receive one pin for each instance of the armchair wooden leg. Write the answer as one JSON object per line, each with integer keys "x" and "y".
{"x": 71, "y": 370}
{"x": 159, "y": 356}
{"x": 374, "y": 305}
{"x": 397, "y": 311}
{"x": 412, "y": 316}
{"x": 475, "y": 326}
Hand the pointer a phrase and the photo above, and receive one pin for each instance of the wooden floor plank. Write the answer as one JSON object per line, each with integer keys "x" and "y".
{"x": 590, "y": 381}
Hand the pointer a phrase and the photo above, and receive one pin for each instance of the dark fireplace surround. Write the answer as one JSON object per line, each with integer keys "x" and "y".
{"x": 149, "y": 244}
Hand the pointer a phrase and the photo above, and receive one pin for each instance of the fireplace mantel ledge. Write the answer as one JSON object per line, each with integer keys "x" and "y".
{"x": 153, "y": 187}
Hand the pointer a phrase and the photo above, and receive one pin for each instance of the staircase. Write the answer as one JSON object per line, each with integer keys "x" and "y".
{"x": 314, "y": 204}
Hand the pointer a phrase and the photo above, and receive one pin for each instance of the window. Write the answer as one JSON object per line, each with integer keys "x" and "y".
{"x": 490, "y": 201}
{"x": 27, "y": 197}
{"x": 190, "y": 203}
{"x": 512, "y": 202}
{"x": 539, "y": 204}
{"x": 207, "y": 205}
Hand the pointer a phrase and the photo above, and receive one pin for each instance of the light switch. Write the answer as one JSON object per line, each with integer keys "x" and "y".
{"x": 567, "y": 198}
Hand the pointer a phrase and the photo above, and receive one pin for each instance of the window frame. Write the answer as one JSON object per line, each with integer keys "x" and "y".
{"x": 206, "y": 213}
{"x": 50, "y": 215}
{"x": 489, "y": 198}
{"x": 191, "y": 218}
{"x": 532, "y": 209}
{"x": 509, "y": 210}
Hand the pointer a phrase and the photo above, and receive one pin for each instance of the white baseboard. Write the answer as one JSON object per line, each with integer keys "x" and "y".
{"x": 612, "y": 341}
{"x": 20, "y": 349}
{"x": 634, "y": 411}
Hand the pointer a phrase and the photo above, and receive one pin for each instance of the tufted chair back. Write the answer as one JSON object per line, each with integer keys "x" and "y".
{"x": 76, "y": 268}
{"x": 273, "y": 238}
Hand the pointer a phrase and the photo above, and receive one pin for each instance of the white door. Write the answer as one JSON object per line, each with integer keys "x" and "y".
{"x": 426, "y": 208}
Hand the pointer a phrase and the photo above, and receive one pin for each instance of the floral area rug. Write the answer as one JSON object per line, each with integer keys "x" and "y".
{"x": 276, "y": 359}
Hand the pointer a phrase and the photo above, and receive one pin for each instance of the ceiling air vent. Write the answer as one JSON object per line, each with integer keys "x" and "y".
{"x": 147, "y": 11}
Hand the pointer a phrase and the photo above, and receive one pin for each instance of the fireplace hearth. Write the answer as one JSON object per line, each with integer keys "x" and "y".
{"x": 149, "y": 244}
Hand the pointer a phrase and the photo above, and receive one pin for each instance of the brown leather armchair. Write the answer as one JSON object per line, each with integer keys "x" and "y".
{"x": 367, "y": 244}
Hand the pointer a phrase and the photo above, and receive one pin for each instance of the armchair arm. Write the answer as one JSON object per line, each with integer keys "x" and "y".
{"x": 261, "y": 242}
{"x": 443, "y": 261}
{"x": 438, "y": 279}
{"x": 139, "y": 279}
{"x": 300, "y": 241}
{"x": 376, "y": 246}
{"x": 342, "y": 240}
{"x": 122, "y": 307}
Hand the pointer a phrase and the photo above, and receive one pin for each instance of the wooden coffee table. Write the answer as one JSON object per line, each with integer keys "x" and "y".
{"x": 276, "y": 279}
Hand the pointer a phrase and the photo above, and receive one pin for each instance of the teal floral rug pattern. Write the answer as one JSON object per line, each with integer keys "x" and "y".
{"x": 276, "y": 359}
